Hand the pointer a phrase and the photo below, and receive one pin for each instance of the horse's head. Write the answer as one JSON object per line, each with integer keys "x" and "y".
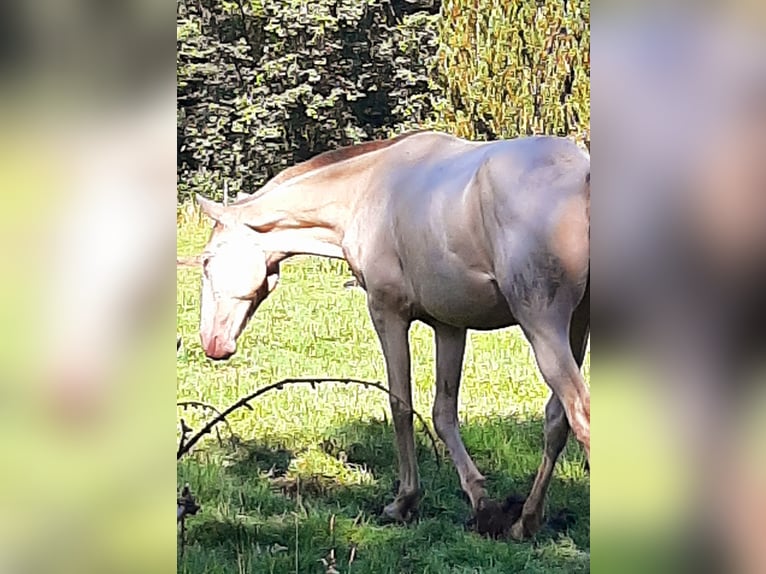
{"x": 237, "y": 275}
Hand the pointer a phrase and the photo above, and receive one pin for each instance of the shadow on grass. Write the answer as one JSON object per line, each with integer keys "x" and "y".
{"x": 261, "y": 504}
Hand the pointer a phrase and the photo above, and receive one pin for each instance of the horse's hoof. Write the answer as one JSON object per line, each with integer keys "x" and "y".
{"x": 393, "y": 513}
{"x": 400, "y": 510}
{"x": 517, "y": 531}
{"x": 525, "y": 527}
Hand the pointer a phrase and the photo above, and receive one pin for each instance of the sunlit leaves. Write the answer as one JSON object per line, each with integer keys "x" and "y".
{"x": 514, "y": 68}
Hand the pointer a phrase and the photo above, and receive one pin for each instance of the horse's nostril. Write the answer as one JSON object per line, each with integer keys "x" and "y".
{"x": 221, "y": 356}
{"x": 210, "y": 346}
{"x": 217, "y": 349}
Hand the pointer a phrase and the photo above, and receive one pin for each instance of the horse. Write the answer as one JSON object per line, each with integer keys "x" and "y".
{"x": 456, "y": 234}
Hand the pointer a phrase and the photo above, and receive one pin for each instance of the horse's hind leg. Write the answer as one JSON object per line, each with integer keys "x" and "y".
{"x": 556, "y": 430}
{"x": 450, "y": 347}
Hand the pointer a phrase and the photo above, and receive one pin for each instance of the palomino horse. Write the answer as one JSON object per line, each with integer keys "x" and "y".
{"x": 460, "y": 235}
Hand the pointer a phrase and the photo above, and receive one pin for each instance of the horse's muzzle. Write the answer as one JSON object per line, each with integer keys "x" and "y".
{"x": 217, "y": 349}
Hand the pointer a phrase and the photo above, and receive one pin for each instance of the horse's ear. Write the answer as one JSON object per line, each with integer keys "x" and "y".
{"x": 213, "y": 210}
{"x": 193, "y": 261}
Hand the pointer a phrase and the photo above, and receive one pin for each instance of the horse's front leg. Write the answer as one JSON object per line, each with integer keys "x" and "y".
{"x": 392, "y": 331}
{"x": 450, "y": 348}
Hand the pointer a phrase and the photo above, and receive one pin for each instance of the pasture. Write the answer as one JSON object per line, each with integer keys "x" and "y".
{"x": 313, "y": 468}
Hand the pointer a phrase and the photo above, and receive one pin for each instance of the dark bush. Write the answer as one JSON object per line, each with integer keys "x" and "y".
{"x": 264, "y": 85}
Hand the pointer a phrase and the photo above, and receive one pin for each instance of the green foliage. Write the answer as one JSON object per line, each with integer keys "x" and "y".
{"x": 514, "y": 68}
{"x": 265, "y": 85}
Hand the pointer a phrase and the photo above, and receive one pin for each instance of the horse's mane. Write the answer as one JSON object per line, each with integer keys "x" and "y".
{"x": 329, "y": 158}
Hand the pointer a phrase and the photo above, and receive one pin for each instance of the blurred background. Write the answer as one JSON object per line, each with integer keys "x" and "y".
{"x": 87, "y": 182}
{"x": 678, "y": 251}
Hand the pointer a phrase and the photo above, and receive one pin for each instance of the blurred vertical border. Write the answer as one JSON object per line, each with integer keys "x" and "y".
{"x": 678, "y": 125}
{"x": 87, "y": 203}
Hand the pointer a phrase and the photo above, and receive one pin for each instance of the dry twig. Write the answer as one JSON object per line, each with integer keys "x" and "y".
{"x": 186, "y": 445}
{"x": 187, "y": 506}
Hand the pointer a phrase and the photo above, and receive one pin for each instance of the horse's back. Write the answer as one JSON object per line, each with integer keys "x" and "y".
{"x": 453, "y": 206}
{"x": 441, "y": 185}
{"x": 433, "y": 164}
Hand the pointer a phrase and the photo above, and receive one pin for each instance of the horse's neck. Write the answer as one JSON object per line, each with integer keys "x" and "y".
{"x": 301, "y": 241}
{"x": 309, "y": 214}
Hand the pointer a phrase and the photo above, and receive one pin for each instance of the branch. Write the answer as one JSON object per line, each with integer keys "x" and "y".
{"x": 205, "y": 406}
{"x": 186, "y": 445}
{"x": 186, "y": 506}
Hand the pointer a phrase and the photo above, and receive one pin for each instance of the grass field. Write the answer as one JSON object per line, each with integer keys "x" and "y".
{"x": 312, "y": 469}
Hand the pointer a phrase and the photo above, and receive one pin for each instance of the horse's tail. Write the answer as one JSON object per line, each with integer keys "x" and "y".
{"x": 583, "y": 309}
{"x": 587, "y": 198}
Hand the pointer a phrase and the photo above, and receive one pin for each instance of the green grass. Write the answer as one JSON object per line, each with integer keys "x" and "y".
{"x": 307, "y": 459}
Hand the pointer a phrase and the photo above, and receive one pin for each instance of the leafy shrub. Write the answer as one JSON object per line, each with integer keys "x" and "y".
{"x": 514, "y": 68}
{"x": 265, "y": 85}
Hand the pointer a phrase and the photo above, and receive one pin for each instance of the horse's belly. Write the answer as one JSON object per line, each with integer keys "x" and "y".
{"x": 465, "y": 301}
